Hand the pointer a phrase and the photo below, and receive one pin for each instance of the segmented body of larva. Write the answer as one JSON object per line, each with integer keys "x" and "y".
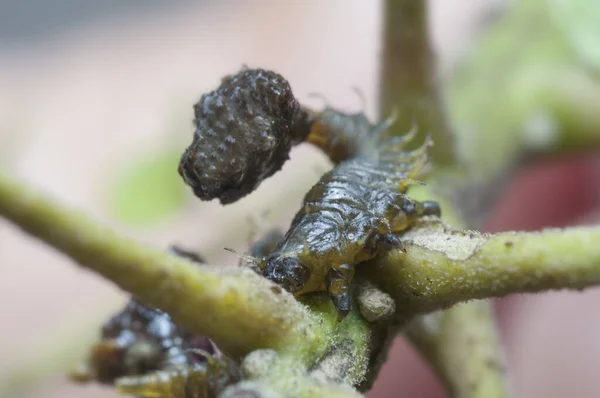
{"x": 355, "y": 210}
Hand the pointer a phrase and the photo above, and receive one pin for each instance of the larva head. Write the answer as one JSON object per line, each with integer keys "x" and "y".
{"x": 287, "y": 271}
{"x": 244, "y": 132}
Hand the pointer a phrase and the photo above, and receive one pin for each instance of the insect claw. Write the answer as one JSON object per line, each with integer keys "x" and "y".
{"x": 390, "y": 241}
{"x": 342, "y": 304}
{"x": 431, "y": 208}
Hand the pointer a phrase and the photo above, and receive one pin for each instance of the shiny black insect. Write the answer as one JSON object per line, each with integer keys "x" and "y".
{"x": 244, "y": 132}
{"x": 140, "y": 339}
{"x": 354, "y": 211}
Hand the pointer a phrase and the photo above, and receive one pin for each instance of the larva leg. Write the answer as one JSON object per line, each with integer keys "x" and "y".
{"x": 411, "y": 210}
{"x": 338, "y": 285}
{"x": 389, "y": 241}
{"x": 379, "y": 243}
{"x": 431, "y": 208}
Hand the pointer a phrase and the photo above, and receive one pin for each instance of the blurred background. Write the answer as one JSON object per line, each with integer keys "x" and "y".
{"x": 96, "y": 107}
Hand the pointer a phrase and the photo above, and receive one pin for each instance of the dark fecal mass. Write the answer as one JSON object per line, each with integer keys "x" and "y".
{"x": 244, "y": 132}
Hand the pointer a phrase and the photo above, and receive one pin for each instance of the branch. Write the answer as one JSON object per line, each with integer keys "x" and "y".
{"x": 234, "y": 307}
{"x": 461, "y": 344}
{"x": 409, "y": 80}
{"x": 443, "y": 266}
{"x": 238, "y": 309}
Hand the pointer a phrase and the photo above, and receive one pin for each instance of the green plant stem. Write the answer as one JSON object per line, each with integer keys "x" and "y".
{"x": 235, "y": 307}
{"x": 462, "y": 345}
{"x": 238, "y": 309}
{"x": 409, "y": 81}
{"x": 443, "y": 267}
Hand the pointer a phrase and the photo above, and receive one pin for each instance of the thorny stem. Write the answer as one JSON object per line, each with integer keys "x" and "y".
{"x": 409, "y": 81}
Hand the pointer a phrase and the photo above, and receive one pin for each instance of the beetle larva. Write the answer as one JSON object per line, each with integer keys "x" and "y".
{"x": 355, "y": 209}
{"x": 244, "y": 132}
{"x": 140, "y": 339}
{"x": 191, "y": 379}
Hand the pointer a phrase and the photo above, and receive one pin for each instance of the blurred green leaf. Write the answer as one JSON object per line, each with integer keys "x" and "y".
{"x": 148, "y": 189}
{"x": 579, "y": 22}
{"x": 524, "y": 78}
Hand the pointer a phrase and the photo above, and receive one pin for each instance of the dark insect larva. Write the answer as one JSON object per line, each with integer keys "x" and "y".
{"x": 192, "y": 370}
{"x": 354, "y": 211}
{"x": 140, "y": 339}
{"x": 244, "y": 132}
